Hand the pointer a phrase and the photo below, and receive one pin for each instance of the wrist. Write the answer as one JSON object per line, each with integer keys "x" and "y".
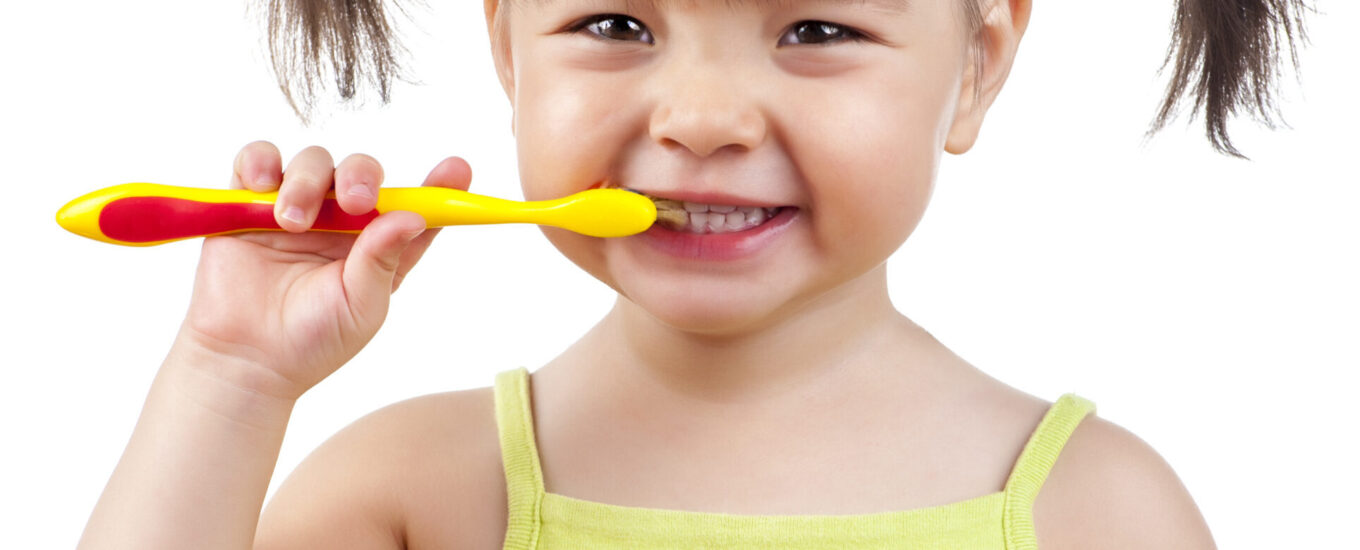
{"x": 229, "y": 384}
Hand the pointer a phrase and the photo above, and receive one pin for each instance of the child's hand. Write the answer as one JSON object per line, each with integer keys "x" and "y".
{"x": 283, "y": 310}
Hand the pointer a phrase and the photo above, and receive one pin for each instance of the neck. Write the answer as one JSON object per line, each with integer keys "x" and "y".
{"x": 842, "y": 340}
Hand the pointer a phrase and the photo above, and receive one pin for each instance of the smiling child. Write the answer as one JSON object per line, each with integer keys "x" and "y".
{"x": 753, "y": 385}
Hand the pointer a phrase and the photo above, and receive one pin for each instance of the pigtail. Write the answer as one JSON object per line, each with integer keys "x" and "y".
{"x": 1227, "y": 57}
{"x": 350, "y": 41}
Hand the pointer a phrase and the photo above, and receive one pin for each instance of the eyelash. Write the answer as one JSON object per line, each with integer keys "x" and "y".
{"x": 847, "y": 34}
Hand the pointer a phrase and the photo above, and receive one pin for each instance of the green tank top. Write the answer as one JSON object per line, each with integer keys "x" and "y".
{"x": 540, "y": 520}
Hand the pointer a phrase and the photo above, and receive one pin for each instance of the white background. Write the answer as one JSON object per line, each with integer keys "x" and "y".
{"x": 1207, "y": 304}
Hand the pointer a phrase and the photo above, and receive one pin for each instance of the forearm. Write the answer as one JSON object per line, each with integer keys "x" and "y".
{"x": 195, "y": 472}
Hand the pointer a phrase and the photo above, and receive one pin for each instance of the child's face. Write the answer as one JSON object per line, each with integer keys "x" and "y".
{"x": 765, "y": 104}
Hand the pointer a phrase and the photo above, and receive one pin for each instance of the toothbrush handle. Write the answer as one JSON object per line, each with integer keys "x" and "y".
{"x": 145, "y": 214}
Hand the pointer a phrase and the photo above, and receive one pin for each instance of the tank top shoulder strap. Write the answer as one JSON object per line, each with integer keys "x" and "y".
{"x": 519, "y": 456}
{"x": 1031, "y": 469}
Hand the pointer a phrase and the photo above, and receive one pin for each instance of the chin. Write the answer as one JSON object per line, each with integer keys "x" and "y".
{"x": 723, "y": 300}
{"x": 688, "y": 313}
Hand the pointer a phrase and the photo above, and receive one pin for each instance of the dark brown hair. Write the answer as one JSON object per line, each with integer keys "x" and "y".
{"x": 1226, "y": 54}
{"x": 1227, "y": 57}
{"x": 350, "y": 41}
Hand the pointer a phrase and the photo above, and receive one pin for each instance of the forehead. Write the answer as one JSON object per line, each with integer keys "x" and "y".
{"x": 887, "y": 6}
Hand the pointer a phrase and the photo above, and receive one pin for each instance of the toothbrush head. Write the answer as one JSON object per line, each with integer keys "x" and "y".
{"x": 671, "y": 212}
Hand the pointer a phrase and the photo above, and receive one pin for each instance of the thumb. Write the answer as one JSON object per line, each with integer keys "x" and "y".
{"x": 373, "y": 261}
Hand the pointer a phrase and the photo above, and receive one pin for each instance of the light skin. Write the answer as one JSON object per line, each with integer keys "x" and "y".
{"x": 710, "y": 98}
{"x": 849, "y": 132}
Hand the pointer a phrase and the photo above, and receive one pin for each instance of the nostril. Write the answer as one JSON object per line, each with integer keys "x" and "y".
{"x": 708, "y": 125}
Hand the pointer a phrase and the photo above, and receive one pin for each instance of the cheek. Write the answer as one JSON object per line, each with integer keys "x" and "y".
{"x": 872, "y": 161}
{"x": 568, "y": 128}
{"x": 565, "y": 134}
{"x": 548, "y": 157}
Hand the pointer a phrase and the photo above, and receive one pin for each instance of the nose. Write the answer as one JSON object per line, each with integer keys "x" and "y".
{"x": 704, "y": 108}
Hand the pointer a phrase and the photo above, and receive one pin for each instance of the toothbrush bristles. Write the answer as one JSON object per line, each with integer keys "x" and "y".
{"x": 672, "y": 212}
{"x": 667, "y": 210}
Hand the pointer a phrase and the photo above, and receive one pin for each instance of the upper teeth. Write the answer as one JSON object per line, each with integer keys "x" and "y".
{"x": 724, "y": 218}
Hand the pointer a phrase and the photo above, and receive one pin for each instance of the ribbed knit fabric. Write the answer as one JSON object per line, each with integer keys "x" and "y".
{"x": 539, "y": 520}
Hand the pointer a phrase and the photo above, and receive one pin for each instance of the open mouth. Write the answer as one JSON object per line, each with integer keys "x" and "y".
{"x": 701, "y": 218}
{"x": 713, "y": 218}
{"x": 693, "y": 217}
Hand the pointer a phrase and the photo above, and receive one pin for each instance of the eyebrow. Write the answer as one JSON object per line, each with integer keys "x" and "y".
{"x": 885, "y": 6}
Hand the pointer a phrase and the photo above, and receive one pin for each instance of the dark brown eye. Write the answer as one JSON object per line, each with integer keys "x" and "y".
{"x": 614, "y": 26}
{"x": 817, "y": 32}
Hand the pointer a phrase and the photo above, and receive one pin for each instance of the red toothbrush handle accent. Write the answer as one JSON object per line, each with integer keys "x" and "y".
{"x": 155, "y": 219}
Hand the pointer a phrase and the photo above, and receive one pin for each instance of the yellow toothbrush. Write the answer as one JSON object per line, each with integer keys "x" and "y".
{"x": 145, "y": 214}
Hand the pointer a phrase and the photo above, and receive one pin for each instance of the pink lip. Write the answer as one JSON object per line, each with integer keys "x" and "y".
{"x": 719, "y": 246}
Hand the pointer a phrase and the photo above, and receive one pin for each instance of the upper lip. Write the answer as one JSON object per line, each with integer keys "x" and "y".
{"x": 708, "y": 197}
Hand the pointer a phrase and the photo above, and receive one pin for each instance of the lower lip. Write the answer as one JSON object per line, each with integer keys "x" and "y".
{"x": 719, "y": 246}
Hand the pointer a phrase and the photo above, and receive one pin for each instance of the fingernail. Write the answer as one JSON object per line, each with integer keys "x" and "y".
{"x": 262, "y": 180}
{"x": 361, "y": 191}
{"x": 293, "y": 214}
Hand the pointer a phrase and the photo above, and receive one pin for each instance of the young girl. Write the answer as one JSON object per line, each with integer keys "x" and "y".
{"x": 753, "y": 385}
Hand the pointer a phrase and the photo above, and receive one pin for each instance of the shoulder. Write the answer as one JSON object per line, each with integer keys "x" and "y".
{"x": 1110, "y": 489}
{"x": 444, "y": 437}
{"x": 424, "y": 472}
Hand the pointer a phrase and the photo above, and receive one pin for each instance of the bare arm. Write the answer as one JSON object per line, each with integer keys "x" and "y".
{"x": 272, "y": 314}
{"x": 197, "y": 466}
{"x": 1109, "y": 489}
{"x": 421, "y": 473}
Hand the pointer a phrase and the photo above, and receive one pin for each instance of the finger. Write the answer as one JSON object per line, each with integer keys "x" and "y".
{"x": 357, "y": 179}
{"x": 258, "y": 167}
{"x": 452, "y": 172}
{"x": 305, "y": 183}
{"x": 372, "y": 264}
